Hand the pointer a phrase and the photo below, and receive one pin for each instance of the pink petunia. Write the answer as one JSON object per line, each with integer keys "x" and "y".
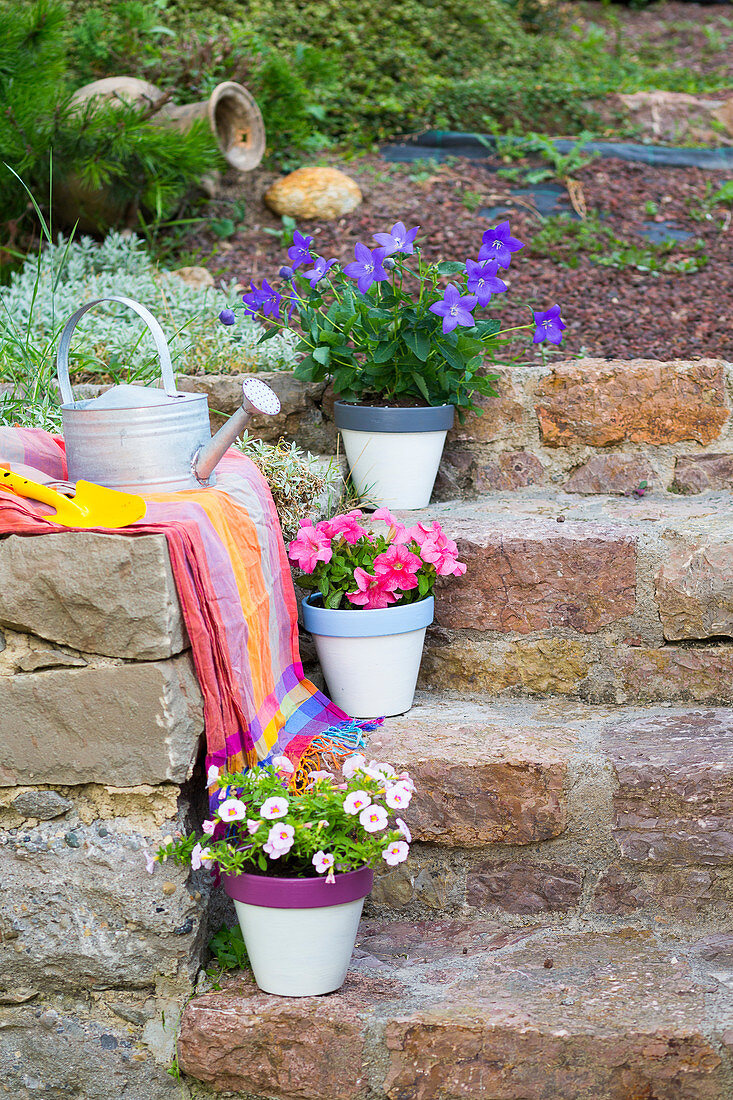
{"x": 200, "y": 857}
{"x": 280, "y": 840}
{"x": 150, "y": 861}
{"x": 442, "y": 552}
{"x": 232, "y": 810}
{"x": 283, "y": 764}
{"x": 208, "y": 827}
{"x": 371, "y": 591}
{"x": 309, "y": 547}
{"x": 398, "y": 567}
{"x": 404, "y": 829}
{"x": 357, "y": 801}
{"x": 346, "y": 527}
{"x": 398, "y": 796}
{"x": 353, "y": 764}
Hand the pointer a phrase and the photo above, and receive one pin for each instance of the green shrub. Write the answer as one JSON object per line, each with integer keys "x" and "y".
{"x": 110, "y": 342}
{"x": 99, "y": 146}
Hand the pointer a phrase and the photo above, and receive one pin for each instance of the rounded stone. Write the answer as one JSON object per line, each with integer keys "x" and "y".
{"x": 323, "y": 193}
{"x": 43, "y": 805}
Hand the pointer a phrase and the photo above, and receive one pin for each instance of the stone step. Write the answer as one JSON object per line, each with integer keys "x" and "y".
{"x": 448, "y": 1009}
{"x": 527, "y": 810}
{"x": 605, "y": 599}
{"x": 588, "y": 426}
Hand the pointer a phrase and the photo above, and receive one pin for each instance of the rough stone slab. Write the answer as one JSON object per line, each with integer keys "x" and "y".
{"x": 684, "y": 894}
{"x": 302, "y": 1048}
{"x": 47, "y": 1053}
{"x": 537, "y": 666}
{"x": 501, "y": 417}
{"x": 481, "y": 774}
{"x": 83, "y": 913}
{"x": 532, "y": 574}
{"x": 600, "y": 403}
{"x": 699, "y": 473}
{"x": 674, "y": 799}
{"x": 524, "y": 888}
{"x": 452, "y": 1009}
{"x": 701, "y": 674}
{"x": 694, "y": 587}
{"x": 123, "y": 725}
{"x": 511, "y": 470}
{"x": 107, "y": 594}
{"x": 614, "y": 473}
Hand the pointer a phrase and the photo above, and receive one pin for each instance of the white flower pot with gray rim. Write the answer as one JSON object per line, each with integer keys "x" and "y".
{"x": 370, "y": 657}
{"x": 394, "y": 453}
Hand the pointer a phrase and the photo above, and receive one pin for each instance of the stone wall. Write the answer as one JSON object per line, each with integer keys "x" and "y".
{"x": 586, "y": 426}
{"x": 101, "y": 728}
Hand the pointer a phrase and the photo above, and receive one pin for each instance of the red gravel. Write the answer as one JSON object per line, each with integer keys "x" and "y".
{"x": 609, "y": 312}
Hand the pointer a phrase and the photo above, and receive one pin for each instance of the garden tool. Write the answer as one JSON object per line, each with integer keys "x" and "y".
{"x": 91, "y": 506}
{"x": 145, "y": 439}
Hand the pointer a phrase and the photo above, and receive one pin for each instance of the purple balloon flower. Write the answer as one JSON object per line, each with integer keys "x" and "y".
{"x": 299, "y": 251}
{"x": 498, "y": 244}
{"x": 291, "y": 302}
{"x": 367, "y": 268}
{"x": 454, "y": 308}
{"x": 254, "y": 301}
{"x": 319, "y": 269}
{"x": 482, "y": 280}
{"x": 397, "y": 240}
{"x": 549, "y": 326}
{"x": 271, "y": 304}
{"x": 228, "y": 317}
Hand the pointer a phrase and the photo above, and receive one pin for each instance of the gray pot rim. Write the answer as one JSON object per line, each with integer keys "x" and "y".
{"x": 386, "y": 418}
{"x": 377, "y": 622}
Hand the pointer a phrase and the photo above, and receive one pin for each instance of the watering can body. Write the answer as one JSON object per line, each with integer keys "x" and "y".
{"x": 144, "y": 440}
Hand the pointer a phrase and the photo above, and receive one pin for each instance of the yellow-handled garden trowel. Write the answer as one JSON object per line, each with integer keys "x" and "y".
{"x": 91, "y": 506}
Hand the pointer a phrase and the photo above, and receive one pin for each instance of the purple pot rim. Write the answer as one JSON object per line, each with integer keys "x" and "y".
{"x": 298, "y": 893}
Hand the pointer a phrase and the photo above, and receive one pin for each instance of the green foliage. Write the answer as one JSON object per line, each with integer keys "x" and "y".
{"x": 565, "y": 241}
{"x": 294, "y": 477}
{"x": 109, "y": 146}
{"x": 228, "y": 950}
{"x": 314, "y": 816}
{"x": 110, "y": 342}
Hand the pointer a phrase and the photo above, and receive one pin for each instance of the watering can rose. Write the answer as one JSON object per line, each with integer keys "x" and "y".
{"x": 374, "y": 566}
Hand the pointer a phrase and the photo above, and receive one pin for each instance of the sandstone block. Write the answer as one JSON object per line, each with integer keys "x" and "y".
{"x": 199, "y": 277}
{"x": 480, "y": 776}
{"x": 599, "y": 403}
{"x": 524, "y": 888}
{"x": 500, "y": 417}
{"x": 120, "y": 724}
{"x": 694, "y": 588}
{"x": 323, "y": 193}
{"x": 699, "y": 675}
{"x": 541, "y": 666}
{"x": 529, "y": 574}
{"x": 675, "y": 116}
{"x": 611, "y": 1016}
{"x": 696, "y": 473}
{"x": 615, "y": 473}
{"x": 513, "y": 470}
{"x": 674, "y": 798}
{"x": 299, "y": 1048}
{"x": 107, "y": 594}
{"x": 88, "y": 915}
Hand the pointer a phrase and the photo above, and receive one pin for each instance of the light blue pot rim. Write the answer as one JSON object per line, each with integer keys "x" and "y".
{"x": 367, "y": 623}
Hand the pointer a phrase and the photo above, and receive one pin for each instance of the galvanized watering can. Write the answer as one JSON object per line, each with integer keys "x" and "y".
{"x": 141, "y": 439}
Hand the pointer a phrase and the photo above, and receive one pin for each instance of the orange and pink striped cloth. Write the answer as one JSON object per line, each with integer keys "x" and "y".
{"x": 238, "y": 603}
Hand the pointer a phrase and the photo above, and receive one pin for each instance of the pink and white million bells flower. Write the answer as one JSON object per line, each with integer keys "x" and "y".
{"x": 337, "y": 823}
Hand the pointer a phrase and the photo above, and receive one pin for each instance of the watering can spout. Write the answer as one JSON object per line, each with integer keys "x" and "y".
{"x": 257, "y": 398}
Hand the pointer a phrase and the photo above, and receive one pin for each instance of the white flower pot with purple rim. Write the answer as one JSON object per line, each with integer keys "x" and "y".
{"x": 299, "y": 932}
{"x": 370, "y": 658}
{"x": 394, "y": 453}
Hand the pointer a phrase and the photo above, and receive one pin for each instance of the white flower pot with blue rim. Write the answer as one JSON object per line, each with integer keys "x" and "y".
{"x": 394, "y": 453}
{"x": 370, "y": 657}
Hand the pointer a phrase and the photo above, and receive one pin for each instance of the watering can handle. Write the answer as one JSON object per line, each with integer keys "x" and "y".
{"x": 161, "y": 345}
